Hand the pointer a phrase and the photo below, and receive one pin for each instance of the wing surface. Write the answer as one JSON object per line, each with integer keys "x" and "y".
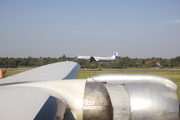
{"x": 25, "y": 103}
{"x": 55, "y": 71}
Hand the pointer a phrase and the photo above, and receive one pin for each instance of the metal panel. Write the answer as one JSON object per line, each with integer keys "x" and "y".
{"x": 71, "y": 91}
{"x": 21, "y": 103}
{"x": 135, "y": 78}
{"x": 97, "y": 104}
{"x": 120, "y": 101}
{"x": 151, "y": 101}
{"x": 27, "y": 103}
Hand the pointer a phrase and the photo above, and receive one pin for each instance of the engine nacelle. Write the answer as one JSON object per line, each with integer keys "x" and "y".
{"x": 152, "y": 100}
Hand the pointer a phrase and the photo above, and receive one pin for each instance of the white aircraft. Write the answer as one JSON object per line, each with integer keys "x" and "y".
{"x": 52, "y": 92}
{"x": 92, "y": 58}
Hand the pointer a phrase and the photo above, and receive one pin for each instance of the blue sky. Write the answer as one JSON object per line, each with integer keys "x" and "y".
{"x": 44, "y": 28}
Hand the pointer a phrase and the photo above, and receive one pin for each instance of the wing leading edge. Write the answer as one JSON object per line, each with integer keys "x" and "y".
{"x": 55, "y": 71}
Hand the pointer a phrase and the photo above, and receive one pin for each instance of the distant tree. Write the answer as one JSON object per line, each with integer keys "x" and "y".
{"x": 143, "y": 61}
{"x": 1, "y": 62}
{"x": 63, "y": 58}
{"x": 24, "y": 62}
{"x": 130, "y": 64}
{"x": 10, "y": 63}
{"x": 164, "y": 63}
{"x": 123, "y": 62}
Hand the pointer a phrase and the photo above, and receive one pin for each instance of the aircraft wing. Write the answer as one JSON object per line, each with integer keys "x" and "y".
{"x": 55, "y": 71}
{"x": 21, "y": 102}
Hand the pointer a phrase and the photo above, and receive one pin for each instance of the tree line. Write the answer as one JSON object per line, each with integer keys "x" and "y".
{"x": 122, "y": 63}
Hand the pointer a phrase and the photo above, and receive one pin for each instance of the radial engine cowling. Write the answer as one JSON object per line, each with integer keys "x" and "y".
{"x": 142, "y": 100}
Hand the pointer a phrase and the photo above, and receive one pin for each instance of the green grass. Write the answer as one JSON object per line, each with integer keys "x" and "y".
{"x": 9, "y": 73}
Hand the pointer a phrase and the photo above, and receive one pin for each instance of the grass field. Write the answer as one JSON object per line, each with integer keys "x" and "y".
{"x": 174, "y": 76}
{"x": 9, "y": 73}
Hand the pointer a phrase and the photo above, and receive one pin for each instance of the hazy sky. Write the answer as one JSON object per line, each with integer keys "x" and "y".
{"x": 51, "y": 28}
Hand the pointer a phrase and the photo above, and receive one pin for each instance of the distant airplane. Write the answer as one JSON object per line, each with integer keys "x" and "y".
{"x": 94, "y": 58}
